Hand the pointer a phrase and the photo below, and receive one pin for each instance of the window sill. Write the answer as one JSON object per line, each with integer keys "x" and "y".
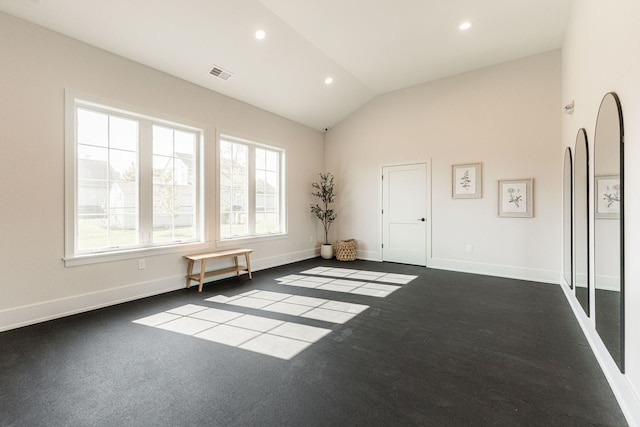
{"x": 250, "y": 239}
{"x": 132, "y": 254}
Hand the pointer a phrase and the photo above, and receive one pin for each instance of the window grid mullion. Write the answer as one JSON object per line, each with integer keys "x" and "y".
{"x": 109, "y": 185}
{"x": 145, "y": 183}
{"x": 251, "y": 215}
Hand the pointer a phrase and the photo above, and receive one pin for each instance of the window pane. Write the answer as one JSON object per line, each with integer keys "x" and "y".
{"x": 237, "y": 215}
{"x": 184, "y": 227}
{"x": 93, "y": 128}
{"x": 271, "y": 222}
{"x": 162, "y": 228}
{"x": 184, "y": 174}
{"x": 162, "y": 141}
{"x": 185, "y": 143}
{"x": 260, "y": 223}
{"x": 123, "y": 165}
{"x": 123, "y": 133}
{"x": 122, "y": 228}
{"x": 162, "y": 199}
{"x": 272, "y": 161}
{"x": 185, "y": 199}
{"x": 162, "y": 170}
{"x": 266, "y": 223}
{"x": 271, "y": 183}
{"x": 233, "y": 189}
{"x": 107, "y": 189}
{"x": 123, "y": 197}
{"x": 92, "y": 197}
{"x": 260, "y": 158}
{"x": 93, "y": 162}
{"x": 267, "y": 192}
{"x": 240, "y": 156}
{"x": 271, "y": 203}
{"x": 174, "y": 190}
{"x": 168, "y": 228}
{"x": 92, "y": 232}
{"x": 261, "y": 177}
{"x": 260, "y": 203}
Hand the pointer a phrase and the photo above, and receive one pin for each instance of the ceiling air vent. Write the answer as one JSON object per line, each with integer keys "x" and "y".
{"x": 221, "y": 73}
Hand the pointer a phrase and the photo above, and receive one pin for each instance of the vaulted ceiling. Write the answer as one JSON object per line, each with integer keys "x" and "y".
{"x": 368, "y": 47}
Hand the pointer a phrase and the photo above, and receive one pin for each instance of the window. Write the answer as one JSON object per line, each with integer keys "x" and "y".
{"x": 133, "y": 181}
{"x": 251, "y": 189}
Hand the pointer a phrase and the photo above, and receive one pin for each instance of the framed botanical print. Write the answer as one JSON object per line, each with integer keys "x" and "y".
{"x": 466, "y": 181}
{"x": 607, "y": 197}
{"x": 515, "y": 198}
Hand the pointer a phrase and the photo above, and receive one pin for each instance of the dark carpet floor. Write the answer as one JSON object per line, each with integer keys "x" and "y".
{"x": 447, "y": 349}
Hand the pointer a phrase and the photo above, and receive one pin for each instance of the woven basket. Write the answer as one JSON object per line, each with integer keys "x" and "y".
{"x": 346, "y": 250}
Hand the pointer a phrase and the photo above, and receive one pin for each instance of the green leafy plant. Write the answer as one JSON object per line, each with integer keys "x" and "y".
{"x": 324, "y": 191}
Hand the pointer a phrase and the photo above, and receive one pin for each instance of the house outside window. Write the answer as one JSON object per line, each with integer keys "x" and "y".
{"x": 251, "y": 189}
{"x": 133, "y": 181}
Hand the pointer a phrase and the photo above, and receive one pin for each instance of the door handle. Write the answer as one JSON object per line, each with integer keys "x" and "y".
{"x": 422, "y": 219}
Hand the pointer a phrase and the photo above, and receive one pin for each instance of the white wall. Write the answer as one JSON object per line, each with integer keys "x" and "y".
{"x": 509, "y": 118}
{"x": 37, "y": 66}
{"x": 600, "y": 54}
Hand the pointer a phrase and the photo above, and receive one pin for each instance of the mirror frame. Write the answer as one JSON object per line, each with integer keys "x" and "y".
{"x": 581, "y": 149}
{"x": 621, "y": 332}
{"x": 567, "y": 215}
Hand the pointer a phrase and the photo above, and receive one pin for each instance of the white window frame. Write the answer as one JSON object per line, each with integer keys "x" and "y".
{"x": 252, "y": 237}
{"x": 73, "y": 257}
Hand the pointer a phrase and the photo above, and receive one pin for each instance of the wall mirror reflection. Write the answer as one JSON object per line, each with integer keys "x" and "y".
{"x": 567, "y": 212}
{"x": 581, "y": 220}
{"x": 608, "y": 208}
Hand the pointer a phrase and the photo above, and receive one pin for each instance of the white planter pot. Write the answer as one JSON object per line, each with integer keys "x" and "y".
{"x": 326, "y": 251}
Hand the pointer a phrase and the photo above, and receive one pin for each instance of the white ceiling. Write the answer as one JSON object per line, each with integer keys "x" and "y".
{"x": 369, "y": 47}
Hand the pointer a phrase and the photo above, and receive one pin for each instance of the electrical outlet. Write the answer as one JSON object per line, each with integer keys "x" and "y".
{"x": 310, "y": 238}
{"x": 469, "y": 248}
{"x": 141, "y": 264}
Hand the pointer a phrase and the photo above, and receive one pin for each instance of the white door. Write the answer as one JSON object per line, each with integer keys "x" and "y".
{"x": 404, "y": 214}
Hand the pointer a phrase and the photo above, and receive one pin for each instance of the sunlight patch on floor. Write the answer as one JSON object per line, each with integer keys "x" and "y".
{"x": 259, "y": 334}
{"x": 274, "y": 337}
{"x": 346, "y": 280}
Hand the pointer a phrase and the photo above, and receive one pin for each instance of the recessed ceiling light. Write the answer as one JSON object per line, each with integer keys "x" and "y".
{"x": 328, "y": 80}
{"x": 261, "y": 34}
{"x": 465, "y": 26}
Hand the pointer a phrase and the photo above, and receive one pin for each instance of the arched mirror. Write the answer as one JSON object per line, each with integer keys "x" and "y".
{"x": 567, "y": 212}
{"x": 581, "y": 219}
{"x": 608, "y": 207}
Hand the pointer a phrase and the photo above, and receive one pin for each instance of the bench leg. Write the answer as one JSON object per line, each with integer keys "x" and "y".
{"x": 203, "y": 268}
{"x": 235, "y": 262}
{"x": 189, "y": 272}
{"x": 246, "y": 257}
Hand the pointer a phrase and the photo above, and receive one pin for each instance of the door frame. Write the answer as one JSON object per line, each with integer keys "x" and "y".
{"x": 381, "y": 167}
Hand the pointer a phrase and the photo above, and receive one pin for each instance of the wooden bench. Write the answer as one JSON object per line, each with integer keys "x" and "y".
{"x": 211, "y": 256}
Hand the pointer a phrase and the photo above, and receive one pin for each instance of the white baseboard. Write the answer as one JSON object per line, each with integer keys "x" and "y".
{"x": 48, "y": 310}
{"x": 519, "y": 273}
{"x": 368, "y": 255}
{"x": 275, "y": 261}
{"x": 623, "y": 390}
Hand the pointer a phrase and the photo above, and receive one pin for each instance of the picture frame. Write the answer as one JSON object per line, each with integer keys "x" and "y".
{"x": 466, "y": 181}
{"x": 515, "y": 198}
{"x": 607, "y": 204}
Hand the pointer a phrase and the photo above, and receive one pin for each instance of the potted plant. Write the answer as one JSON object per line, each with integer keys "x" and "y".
{"x": 324, "y": 191}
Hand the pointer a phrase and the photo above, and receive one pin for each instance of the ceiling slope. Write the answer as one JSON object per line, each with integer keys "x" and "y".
{"x": 368, "y": 48}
